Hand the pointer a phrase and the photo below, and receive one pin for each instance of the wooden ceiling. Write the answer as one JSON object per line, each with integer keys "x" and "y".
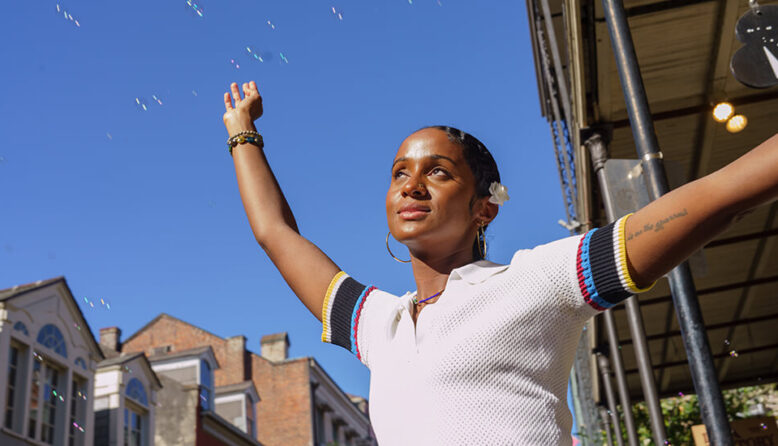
{"x": 684, "y": 48}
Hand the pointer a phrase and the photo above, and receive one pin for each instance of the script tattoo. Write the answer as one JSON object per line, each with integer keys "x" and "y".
{"x": 658, "y": 226}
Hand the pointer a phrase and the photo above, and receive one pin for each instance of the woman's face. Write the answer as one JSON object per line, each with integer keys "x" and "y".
{"x": 429, "y": 205}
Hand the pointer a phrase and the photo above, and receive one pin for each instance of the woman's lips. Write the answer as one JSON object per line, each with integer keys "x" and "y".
{"x": 413, "y": 212}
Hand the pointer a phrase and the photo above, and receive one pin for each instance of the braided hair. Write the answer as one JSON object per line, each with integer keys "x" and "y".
{"x": 481, "y": 163}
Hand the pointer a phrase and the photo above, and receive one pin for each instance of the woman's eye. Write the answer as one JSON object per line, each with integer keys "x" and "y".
{"x": 398, "y": 174}
{"x": 439, "y": 171}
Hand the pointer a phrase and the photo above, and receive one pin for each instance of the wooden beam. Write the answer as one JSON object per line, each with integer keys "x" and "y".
{"x": 728, "y": 324}
{"x": 717, "y": 77}
{"x": 724, "y": 355}
{"x": 702, "y": 108}
{"x": 717, "y": 289}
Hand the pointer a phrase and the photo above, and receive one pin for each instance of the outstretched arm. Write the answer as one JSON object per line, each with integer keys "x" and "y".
{"x": 306, "y": 269}
{"x": 666, "y": 232}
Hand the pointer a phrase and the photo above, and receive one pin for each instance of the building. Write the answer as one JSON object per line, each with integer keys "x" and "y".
{"x": 285, "y": 401}
{"x": 48, "y": 368}
{"x": 125, "y": 397}
{"x": 171, "y": 383}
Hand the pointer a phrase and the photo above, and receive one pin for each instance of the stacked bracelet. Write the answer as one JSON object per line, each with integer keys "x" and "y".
{"x": 250, "y": 137}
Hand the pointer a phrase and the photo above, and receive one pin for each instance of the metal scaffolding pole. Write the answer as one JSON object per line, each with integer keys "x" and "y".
{"x": 604, "y": 416}
{"x": 605, "y": 371}
{"x": 599, "y": 155}
{"x": 621, "y": 378}
{"x": 684, "y": 296}
{"x": 556, "y": 88}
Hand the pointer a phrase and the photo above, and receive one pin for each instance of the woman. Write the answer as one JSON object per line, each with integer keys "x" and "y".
{"x": 488, "y": 363}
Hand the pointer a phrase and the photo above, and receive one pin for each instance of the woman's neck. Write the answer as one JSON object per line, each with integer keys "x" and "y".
{"x": 431, "y": 272}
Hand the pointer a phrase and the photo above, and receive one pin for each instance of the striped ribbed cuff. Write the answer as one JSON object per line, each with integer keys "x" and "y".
{"x": 603, "y": 275}
{"x": 341, "y": 312}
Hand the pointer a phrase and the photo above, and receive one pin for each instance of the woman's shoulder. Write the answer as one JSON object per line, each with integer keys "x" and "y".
{"x": 556, "y": 249}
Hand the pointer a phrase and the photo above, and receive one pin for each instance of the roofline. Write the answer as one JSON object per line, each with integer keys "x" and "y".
{"x": 153, "y": 373}
{"x": 60, "y": 280}
{"x": 316, "y": 366}
{"x": 160, "y": 316}
{"x": 131, "y": 357}
{"x": 188, "y": 353}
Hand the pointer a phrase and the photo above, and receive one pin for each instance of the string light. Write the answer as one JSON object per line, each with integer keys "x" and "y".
{"x": 736, "y": 123}
{"x": 722, "y": 111}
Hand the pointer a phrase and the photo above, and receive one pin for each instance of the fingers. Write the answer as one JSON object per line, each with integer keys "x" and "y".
{"x": 227, "y": 102}
{"x": 246, "y": 90}
{"x": 253, "y": 86}
{"x": 235, "y": 93}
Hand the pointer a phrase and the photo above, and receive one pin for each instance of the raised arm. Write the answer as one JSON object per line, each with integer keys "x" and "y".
{"x": 306, "y": 269}
{"x": 666, "y": 232}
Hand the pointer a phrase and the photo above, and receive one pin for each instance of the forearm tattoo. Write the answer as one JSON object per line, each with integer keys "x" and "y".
{"x": 658, "y": 226}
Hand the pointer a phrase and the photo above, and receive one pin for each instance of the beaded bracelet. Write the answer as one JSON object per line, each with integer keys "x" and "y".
{"x": 250, "y": 137}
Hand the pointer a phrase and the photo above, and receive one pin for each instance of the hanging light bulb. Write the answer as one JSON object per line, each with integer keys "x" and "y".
{"x": 722, "y": 111}
{"x": 737, "y": 123}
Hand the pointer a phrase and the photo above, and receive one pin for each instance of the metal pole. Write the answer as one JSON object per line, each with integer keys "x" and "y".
{"x": 561, "y": 82}
{"x": 604, "y": 416}
{"x": 599, "y": 155}
{"x": 687, "y": 307}
{"x": 621, "y": 378}
{"x": 559, "y": 119}
{"x": 605, "y": 371}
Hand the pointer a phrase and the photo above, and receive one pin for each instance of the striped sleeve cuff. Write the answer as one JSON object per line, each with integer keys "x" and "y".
{"x": 601, "y": 261}
{"x": 341, "y": 312}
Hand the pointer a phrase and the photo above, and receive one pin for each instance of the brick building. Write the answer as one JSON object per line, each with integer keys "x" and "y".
{"x": 298, "y": 403}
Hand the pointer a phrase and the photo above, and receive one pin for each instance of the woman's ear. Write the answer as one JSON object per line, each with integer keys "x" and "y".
{"x": 485, "y": 211}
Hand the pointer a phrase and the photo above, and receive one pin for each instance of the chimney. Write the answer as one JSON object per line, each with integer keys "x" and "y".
{"x": 275, "y": 347}
{"x": 236, "y": 345}
{"x": 109, "y": 338}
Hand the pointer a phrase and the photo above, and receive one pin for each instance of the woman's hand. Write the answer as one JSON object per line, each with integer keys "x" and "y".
{"x": 241, "y": 116}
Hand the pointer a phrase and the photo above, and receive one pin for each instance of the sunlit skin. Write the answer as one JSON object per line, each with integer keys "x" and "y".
{"x": 430, "y": 173}
{"x": 432, "y": 208}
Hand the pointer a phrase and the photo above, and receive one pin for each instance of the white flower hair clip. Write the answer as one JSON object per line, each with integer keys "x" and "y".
{"x": 499, "y": 193}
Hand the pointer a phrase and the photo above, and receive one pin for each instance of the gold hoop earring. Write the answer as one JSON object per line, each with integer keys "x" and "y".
{"x": 481, "y": 239}
{"x": 390, "y": 251}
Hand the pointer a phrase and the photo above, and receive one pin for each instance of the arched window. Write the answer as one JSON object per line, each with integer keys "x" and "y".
{"x": 136, "y": 391}
{"x": 51, "y": 337}
{"x": 19, "y": 326}
{"x": 81, "y": 363}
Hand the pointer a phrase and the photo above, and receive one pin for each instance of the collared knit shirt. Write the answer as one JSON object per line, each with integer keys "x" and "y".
{"x": 489, "y": 362}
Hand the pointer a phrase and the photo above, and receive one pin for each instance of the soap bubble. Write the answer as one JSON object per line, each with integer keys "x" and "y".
{"x": 141, "y": 104}
{"x": 67, "y": 15}
{"x": 338, "y": 14}
{"x": 195, "y": 6}
{"x": 103, "y": 303}
{"x": 259, "y": 56}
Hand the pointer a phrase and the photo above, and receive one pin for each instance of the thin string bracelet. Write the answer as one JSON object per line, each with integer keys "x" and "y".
{"x": 425, "y": 300}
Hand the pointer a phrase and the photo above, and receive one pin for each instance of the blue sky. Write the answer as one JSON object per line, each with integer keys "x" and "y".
{"x": 141, "y": 208}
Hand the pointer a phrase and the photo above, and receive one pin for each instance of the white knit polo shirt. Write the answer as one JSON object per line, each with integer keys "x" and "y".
{"x": 488, "y": 363}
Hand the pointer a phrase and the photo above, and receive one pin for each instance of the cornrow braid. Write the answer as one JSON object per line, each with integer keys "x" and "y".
{"x": 481, "y": 163}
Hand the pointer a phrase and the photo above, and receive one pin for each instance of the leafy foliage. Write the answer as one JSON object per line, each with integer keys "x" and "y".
{"x": 683, "y": 411}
